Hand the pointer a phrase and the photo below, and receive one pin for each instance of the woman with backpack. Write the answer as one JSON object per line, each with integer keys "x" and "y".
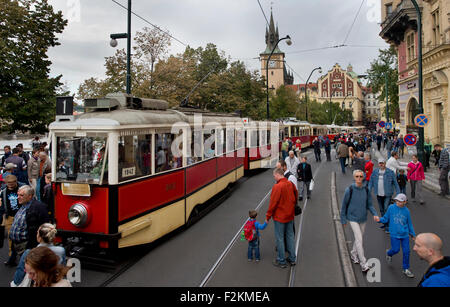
{"x": 355, "y": 204}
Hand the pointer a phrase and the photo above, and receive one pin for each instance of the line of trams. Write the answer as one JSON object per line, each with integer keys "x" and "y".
{"x": 132, "y": 170}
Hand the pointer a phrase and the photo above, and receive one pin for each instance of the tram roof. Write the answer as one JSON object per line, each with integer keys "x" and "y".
{"x": 129, "y": 118}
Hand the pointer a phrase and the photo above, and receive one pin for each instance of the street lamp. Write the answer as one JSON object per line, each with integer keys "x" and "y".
{"x": 114, "y": 44}
{"x": 288, "y": 42}
{"x": 306, "y": 89}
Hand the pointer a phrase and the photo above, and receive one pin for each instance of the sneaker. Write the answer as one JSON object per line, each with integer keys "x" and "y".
{"x": 280, "y": 265}
{"x": 291, "y": 263}
{"x": 355, "y": 259}
{"x": 250, "y": 260}
{"x": 257, "y": 260}
{"x": 388, "y": 258}
{"x": 408, "y": 273}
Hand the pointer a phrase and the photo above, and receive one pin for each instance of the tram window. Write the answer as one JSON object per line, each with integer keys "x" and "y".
{"x": 230, "y": 140}
{"x": 164, "y": 158}
{"x": 135, "y": 156}
{"x": 196, "y": 148}
{"x": 286, "y": 132}
{"x": 221, "y": 144}
{"x": 262, "y": 137}
{"x": 254, "y": 138}
{"x": 209, "y": 144}
{"x": 81, "y": 159}
{"x": 240, "y": 138}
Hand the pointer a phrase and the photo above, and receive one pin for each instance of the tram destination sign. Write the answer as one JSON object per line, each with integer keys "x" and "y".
{"x": 64, "y": 106}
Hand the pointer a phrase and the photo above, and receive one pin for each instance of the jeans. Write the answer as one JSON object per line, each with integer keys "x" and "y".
{"x": 328, "y": 153}
{"x": 253, "y": 246}
{"x": 342, "y": 160}
{"x": 443, "y": 181}
{"x": 383, "y": 204}
{"x": 403, "y": 190}
{"x": 317, "y": 154}
{"x": 416, "y": 187}
{"x": 395, "y": 248}
{"x": 301, "y": 188}
{"x": 282, "y": 231}
{"x": 358, "y": 249}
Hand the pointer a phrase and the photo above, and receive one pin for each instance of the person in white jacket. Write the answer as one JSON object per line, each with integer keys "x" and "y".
{"x": 292, "y": 163}
{"x": 394, "y": 164}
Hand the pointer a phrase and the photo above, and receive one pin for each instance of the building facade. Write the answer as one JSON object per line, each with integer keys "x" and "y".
{"x": 374, "y": 111}
{"x": 278, "y": 74}
{"x": 343, "y": 86}
{"x": 399, "y": 28}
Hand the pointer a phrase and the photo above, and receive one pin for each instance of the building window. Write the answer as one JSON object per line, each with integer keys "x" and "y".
{"x": 436, "y": 27}
{"x": 410, "y": 46}
{"x": 350, "y": 93}
{"x": 388, "y": 9}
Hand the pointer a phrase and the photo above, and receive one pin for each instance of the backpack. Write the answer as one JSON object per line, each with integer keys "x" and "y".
{"x": 249, "y": 231}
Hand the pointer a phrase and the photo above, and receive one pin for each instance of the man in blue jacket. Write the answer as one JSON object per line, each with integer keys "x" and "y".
{"x": 355, "y": 204}
{"x": 383, "y": 182}
{"x": 428, "y": 247}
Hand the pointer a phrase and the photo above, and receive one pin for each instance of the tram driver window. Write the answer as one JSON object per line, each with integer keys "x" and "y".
{"x": 209, "y": 144}
{"x": 164, "y": 158}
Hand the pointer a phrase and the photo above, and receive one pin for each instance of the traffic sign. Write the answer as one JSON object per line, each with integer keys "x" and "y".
{"x": 421, "y": 120}
{"x": 388, "y": 126}
{"x": 381, "y": 124}
{"x": 410, "y": 139}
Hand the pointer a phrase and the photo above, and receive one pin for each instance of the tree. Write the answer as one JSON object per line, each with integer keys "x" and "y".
{"x": 386, "y": 65}
{"x": 284, "y": 103}
{"x": 28, "y": 29}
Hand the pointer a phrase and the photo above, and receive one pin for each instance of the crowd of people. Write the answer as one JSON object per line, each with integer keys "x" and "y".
{"x": 388, "y": 183}
{"x": 26, "y": 214}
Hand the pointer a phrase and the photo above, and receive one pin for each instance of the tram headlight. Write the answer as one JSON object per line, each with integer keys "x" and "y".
{"x": 78, "y": 215}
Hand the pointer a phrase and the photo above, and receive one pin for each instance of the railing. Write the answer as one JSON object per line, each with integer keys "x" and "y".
{"x": 404, "y": 5}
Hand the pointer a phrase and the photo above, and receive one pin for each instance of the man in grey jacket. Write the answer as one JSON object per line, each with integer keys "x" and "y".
{"x": 444, "y": 168}
{"x": 355, "y": 204}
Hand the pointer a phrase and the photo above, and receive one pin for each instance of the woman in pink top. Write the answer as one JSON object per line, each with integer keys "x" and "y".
{"x": 415, "y": 176}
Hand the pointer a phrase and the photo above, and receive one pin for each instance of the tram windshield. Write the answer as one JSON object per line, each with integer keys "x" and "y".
{"x": 81, "y": 159}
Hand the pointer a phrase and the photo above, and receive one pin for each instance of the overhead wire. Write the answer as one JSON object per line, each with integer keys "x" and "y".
{"x": 354, "y": 20}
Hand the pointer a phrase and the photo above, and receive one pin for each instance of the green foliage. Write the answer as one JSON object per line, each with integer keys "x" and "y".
{"x": 28, "y": 29}
{"x": 386, "y": 65}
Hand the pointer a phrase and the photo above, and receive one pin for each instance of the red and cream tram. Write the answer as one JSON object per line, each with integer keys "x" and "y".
{"x": 125, "y": 177}
{"x": 298, "y": 130}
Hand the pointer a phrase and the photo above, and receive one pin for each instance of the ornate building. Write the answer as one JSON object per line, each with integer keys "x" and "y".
{"x": 278, "y": 74}
{"x": 343, "y": 86}
{"x": 399, "y": 28}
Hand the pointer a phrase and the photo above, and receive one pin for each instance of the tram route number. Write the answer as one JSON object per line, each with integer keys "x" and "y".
{"x": 128, "y": 172}
{"x": 227, "y": 296}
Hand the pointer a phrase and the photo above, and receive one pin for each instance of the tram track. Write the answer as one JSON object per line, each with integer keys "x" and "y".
{"x": 235, "y": 239}
{"x": 208, "y": 207}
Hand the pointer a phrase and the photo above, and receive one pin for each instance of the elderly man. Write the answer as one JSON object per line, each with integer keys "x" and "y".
{"x": 383, "y": 181}
{"x": 292, "y": 163}
{"x": 428, "y": 247}
{"x": 31, "y": 215}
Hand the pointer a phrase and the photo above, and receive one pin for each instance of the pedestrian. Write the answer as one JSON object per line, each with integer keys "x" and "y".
{"x": 6, "y": 154}
{"x": 379, "y": 139}
{"x": 317, "y": 150}
{"x": 19, "y": 163}
{"x": 416, "y": 175}
{"x": 444, "y": 168}
{"x": 48, "y": 197}
{"x": 284, "y": 148}
{"x": 43, "y": 268}
{"x": 401, "y": 146}
{"x": 45, "y": 166}
{"x": 402, "y": 180}
{"x": 45, "y": 237}
{"x": 342, "y": 153}
{"x": 359, "y": 161}
{"x": 304, "y": 175}
{"x": 400, "y": 226}
{"x": 292, "y": 163}
{"x": 287, "y": 174}
{"x": 298, "y": 148}
{"x": 360, "y": 146}
{"x": 394, "y": 164}
{"x": 283, "y": 199}
{"x": 31, "y": 215}
{"x": 36, "y": 143}
{"x": 388, "y": 147}
{"x": 428, "y": 148}
{"x": 355, "y": 204}
{"x": 327, "y": 145}
{"x": 368, "y": 167}
{"x": 251, "y": 232}
{"x": 384, "y": 183}
{"x": 9, "y": 206}
{"x": 428, "y": 246}
{"x": 33, "y": 168}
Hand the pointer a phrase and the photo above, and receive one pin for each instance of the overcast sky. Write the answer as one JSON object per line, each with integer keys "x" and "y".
{"x": 235, "y": 26}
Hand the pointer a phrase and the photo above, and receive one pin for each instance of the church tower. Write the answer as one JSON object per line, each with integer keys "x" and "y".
{"x": 278, "y": 74}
